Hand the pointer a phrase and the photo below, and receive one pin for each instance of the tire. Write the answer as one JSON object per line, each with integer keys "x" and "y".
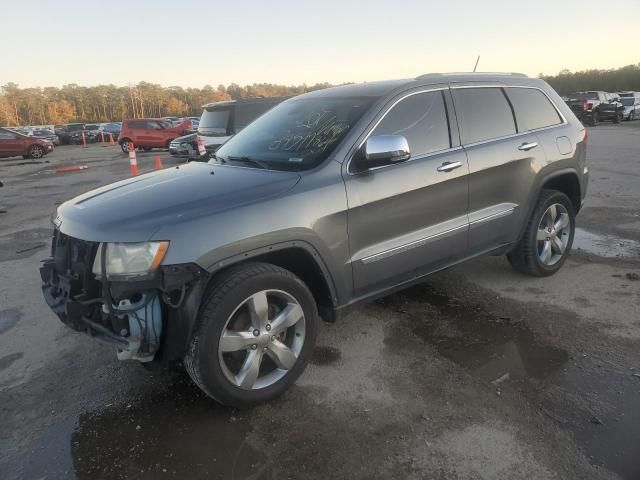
{"x": 530, "y": 255}
{"x": 595, "y": 117}
{"x": 124, "y": 145}
{"x": 225, "y": 310}
{"x": 36, "y": 152}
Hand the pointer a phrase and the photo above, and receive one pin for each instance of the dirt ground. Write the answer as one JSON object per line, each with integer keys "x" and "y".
{"x": 479, "y": 373}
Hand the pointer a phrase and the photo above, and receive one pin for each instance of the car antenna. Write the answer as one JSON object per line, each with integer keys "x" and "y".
{"x": 476, "y": 65}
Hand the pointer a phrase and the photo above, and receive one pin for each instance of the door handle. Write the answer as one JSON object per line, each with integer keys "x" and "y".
{"x": 525, "y": 147}
{"x": 448, "y": 166}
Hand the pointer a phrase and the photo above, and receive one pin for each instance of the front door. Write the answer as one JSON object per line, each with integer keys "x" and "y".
{"x": 10, "y": 143}
{"x": 408, "y": 219}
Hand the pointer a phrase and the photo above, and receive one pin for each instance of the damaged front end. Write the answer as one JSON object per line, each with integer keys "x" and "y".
{"x": 120, "y": 294}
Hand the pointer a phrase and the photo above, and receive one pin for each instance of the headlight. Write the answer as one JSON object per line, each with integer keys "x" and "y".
{"x": 130, "y": 260}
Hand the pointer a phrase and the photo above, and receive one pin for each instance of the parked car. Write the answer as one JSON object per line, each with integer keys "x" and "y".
{"x": 65, "y": 132}
{"x": 219, "y": 122}
{"x": 631, "y": 104}
{"x": 46, "y": 135}
{"x": 107, "y": 129}
{"x": 149, "y": 133}
{"x": 13, "y": 144}
{"x": 342, "y": 195}
{"x": 595, "y": 106}
{"x": 90, "y": 132}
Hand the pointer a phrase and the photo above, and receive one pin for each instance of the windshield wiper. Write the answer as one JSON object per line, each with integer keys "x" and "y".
{"x": 249, "y": 160}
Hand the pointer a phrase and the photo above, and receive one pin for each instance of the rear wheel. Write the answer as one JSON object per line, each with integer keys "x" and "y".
{"x": 254, "y": 335}
{"x": 547, "y": 240}
{"x": 36, "y": 151}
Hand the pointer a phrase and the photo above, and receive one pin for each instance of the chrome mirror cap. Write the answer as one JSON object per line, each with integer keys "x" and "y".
{"x": 382, "y": 149}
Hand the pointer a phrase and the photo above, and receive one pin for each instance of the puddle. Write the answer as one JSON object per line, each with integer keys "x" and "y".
{"x": 488, "y": 346}
{"x": 608, "y": 246}
{"x": 323, "y": 355}
{"x": 603, "y": 417}
{"x": 9, "y": 318}
{"x": 179, "y": 432}
{"x": 176, "y": 433}
{"x": 7, "y": 360}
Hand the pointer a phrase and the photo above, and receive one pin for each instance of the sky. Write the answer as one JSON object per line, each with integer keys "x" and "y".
{"x": 192, "y": 43}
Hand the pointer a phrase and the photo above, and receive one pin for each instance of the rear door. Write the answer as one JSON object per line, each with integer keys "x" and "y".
{"x": 410, "y": 218}
{"x": 11, "y": 143}
{"x": 502, "y": 165}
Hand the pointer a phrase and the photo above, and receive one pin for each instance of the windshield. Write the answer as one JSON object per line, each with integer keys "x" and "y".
{"x": 627, "y": 101}
{"x": 297, "y": 134}
{"x": 213, "y": 123}
{"x": 584, "y": 96}
{"x": 41, "y": 132}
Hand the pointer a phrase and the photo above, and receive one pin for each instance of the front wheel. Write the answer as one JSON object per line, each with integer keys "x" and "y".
{"x": 254, "y": 335}
{"x": 124, "y": 145}
{"x": 36, "y": 151}
{"x": 547, "y": 240}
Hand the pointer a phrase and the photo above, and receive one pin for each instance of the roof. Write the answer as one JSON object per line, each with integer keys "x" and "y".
{"x": 382, "y": 88}
{"x": 225, "y": 103}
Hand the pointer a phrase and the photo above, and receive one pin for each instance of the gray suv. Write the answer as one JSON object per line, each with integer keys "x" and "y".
{"x": 328, "y": 200}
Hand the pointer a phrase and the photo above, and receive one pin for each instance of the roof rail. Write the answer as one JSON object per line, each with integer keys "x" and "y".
{"x": 479, "y": 74}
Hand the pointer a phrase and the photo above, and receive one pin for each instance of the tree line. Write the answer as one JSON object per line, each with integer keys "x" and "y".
{"x": 105, "y": 103}
{"x": 616, "y": 80}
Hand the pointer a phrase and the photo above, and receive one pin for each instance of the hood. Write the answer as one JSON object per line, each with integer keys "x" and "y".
{"x": 133, "y": 210}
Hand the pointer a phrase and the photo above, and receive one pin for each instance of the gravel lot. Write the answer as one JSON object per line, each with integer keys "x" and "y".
{"x": 479, "y": 373}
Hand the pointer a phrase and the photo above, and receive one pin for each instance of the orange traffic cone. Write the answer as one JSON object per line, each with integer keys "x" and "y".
{"x": 133, "y": 162}
{"x": 111, "y": 142}
{"x": 103, "y": 142}
{"x": 159, "y": 164}
{"x": 84, "y": 141}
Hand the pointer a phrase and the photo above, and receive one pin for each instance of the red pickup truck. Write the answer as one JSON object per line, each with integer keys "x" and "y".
{"x": 149, "y": 133}
{"x": 13, "y": 144}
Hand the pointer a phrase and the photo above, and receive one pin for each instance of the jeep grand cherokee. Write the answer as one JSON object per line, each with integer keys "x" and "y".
{"x": 329, "y": 199}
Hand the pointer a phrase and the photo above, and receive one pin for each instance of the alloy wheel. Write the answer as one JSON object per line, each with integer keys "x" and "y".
{"x": 553, "y": 234}
{"x": 262, "y": 339}
{"x": 37, "y": 152}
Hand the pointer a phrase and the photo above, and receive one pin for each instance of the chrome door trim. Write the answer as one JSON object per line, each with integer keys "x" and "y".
{"x": 417, "y": 92}
{"x": 408, "y": 246}
{"x": 491, "y": 213}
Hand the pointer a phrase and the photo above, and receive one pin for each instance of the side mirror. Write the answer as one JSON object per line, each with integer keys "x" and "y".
{"x": 381, "y": 150}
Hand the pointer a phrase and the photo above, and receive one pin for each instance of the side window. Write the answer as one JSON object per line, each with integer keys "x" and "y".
{"x": 483, "y": 113}
{"x": 5, "y": 135}
{"x": 422, "y": 119}
{"x": 532, "y": 108}
{"x": 137, "y": 125}
{"x": 151, "y": 125}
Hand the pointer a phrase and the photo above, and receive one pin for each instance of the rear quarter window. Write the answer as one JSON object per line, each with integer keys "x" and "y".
{"x": 532, "y": 108}
{"x": 137, "y": 125}
{"x": 484, "y": 114}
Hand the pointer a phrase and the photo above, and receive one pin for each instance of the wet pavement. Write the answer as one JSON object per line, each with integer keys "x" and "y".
{"x": 480, "y": 373}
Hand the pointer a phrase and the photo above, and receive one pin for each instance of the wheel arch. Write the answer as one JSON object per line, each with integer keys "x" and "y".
{"x": 301, "y": 259}
{"x": 565, "y": 180}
